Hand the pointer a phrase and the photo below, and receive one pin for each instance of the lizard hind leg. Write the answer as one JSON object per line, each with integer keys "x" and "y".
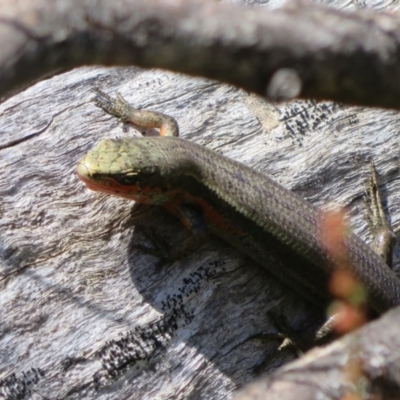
{"x": 384, "y": 237}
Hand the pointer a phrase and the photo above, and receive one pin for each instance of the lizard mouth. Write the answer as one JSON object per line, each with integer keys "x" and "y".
{"x": 110, "y": 186}
{"x": 89, "y": 184}
{"x": 84, "y": 176}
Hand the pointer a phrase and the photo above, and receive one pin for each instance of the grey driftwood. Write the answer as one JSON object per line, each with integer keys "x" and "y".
{"x": 84, "y": 314}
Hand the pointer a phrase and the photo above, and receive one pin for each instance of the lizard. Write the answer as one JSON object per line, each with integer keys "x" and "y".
{"x": 205, "y": 190}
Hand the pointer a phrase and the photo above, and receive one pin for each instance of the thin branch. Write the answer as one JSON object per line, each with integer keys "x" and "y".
{"x": 364, "y": 364}
{"x": 304, "y": 51}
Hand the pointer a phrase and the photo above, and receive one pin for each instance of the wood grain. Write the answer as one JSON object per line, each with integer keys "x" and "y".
{"x": 76, "y": 293}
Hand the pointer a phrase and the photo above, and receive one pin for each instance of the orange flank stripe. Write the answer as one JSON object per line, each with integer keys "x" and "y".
{"x": 170, "y": 199}
{"x": 211, "y": 215}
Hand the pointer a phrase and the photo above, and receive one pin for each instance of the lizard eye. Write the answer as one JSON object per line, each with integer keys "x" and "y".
{"x": 128, "y": 179}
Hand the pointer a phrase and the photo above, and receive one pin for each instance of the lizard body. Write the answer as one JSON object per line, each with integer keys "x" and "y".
{"x": 272, "y": 225}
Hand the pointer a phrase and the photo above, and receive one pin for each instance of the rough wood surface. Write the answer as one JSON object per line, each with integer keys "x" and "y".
{"x": 71, "y": 279}
{"x": 77, "y": 296}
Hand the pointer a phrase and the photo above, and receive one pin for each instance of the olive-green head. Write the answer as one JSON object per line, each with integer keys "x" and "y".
{"x": 143, "y": 169}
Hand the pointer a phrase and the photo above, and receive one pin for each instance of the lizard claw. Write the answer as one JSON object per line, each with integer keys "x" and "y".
{"x": 117, "y": 107}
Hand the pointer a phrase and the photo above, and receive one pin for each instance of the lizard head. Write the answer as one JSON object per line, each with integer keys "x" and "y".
{"x": 141, "y": 169}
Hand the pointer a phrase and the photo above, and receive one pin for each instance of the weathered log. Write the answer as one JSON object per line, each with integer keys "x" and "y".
{"x": 77, "y": 296}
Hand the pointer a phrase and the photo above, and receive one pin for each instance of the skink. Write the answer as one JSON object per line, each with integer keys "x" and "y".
{"x": 270, "y": 224}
